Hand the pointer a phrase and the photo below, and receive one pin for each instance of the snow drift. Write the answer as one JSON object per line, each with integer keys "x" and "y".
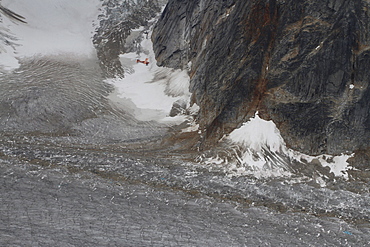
{"x": 259, "y": 150}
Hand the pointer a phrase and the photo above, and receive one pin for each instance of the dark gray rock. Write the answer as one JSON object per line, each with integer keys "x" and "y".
{"x": 178, "y": 107}
{"x": 303, "y": 64}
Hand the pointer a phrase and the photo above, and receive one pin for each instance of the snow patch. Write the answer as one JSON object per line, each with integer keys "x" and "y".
{"x": 338, "y": 164}
{"x": 261, "y": 152}
{"x": 257, "y": 134}
{"x": 149, "y": 90}
{"x": 194, "y": 109}
{"x": 258, "y": 151}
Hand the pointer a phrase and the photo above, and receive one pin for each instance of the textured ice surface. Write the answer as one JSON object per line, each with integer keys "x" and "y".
{"x": 54, "y": 207}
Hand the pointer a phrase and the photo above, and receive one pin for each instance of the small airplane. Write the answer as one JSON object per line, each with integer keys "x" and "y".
{"x": 146, "y": 61}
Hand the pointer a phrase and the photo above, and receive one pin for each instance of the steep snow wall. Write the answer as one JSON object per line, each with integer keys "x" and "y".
{"x": 302, "y": 64}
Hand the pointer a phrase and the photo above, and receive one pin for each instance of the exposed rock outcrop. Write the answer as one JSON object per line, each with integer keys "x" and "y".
{"x": 303, "y": 64}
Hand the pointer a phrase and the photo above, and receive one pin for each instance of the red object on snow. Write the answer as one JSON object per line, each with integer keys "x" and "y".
{"x": 146, "y": 61}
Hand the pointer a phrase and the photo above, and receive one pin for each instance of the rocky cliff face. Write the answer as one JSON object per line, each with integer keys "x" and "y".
{"x": 303, "y": 64}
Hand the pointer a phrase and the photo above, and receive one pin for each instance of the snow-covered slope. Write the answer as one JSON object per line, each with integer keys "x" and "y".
{"x": 65, "y": 28}
{"x": 148, "y": 90}
{"x": 53, "y": 27}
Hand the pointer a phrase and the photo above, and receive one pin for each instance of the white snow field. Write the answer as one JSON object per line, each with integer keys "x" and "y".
{"x": 54, "y": 27}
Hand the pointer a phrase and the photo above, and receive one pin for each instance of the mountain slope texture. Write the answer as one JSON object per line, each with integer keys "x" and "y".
{"x": 302, "y": 64}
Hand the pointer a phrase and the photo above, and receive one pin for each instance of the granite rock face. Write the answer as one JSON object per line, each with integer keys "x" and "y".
{"x": 303, "y": 64}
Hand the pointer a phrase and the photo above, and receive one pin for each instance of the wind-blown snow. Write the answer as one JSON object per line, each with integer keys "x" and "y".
{"x": 263, "y": 153}
{"x": 150, "y": 91}
{"x": 260, "y": 140}
{"x": 257, "y": 134}
{"x": 53, "y": 27}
